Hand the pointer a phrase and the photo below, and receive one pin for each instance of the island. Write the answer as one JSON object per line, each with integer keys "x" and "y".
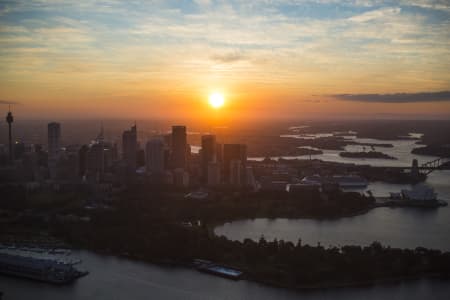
{"x": 366, "y": 154}
{"x": 304, "y": 151}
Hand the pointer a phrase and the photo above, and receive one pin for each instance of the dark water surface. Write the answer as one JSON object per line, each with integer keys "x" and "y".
{"x": 397, "y": 227}
{"x": 117, "y": 278}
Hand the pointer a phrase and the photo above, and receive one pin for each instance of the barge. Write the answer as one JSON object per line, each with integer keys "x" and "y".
{"x": 209, "y": 267}
{"x": 40, "y": 269}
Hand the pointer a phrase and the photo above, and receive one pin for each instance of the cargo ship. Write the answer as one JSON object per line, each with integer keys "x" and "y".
{"x": 40, "y": 269}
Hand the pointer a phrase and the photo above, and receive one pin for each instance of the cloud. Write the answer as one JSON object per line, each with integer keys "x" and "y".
{"x": 228, "y": 57}
{"x": 6, "y": 102}
{"x": 376, "y": 14}
{"x": 396, "y": 98}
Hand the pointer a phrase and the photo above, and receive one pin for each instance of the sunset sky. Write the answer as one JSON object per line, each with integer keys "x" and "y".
{"x": 270, "y": 59}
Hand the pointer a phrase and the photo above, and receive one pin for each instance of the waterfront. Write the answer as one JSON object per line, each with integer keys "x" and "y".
{"x": 119, "y": 278}
{"x": 396, "y": 227}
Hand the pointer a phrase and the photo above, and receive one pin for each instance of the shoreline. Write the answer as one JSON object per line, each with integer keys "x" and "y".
{"x": 304, "y": 287}
{"x": 174, "y": 263}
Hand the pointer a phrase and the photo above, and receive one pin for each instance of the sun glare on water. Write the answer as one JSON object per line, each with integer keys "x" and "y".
{"x": 216, "y": 100}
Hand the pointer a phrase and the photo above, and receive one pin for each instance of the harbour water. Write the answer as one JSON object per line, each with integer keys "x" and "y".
{"x": 401, "y": 150}
{"x": 119, "y": 278}
{"x": 396, "y": 227}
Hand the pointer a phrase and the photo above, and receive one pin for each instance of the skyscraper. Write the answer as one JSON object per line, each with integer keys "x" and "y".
{"x": 154, "y": 156}
{"x": 208, "y": 154}
{"x": 179, "y": 147}
{"x": 129, "y": 147}
{"x": 232, "y": 152}
{"x": 213, "y": 174}
{"x": 10, "y": 120}
{"x": 236, "y": 172}
{"x": 95, "y": 159}
{"x": 54, "y": 137}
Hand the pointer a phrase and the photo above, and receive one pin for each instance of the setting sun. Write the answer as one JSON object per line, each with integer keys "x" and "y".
{"x": 216, "y": 100}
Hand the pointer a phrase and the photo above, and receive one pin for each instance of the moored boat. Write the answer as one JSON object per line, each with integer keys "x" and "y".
{"x": 38, "y": 269}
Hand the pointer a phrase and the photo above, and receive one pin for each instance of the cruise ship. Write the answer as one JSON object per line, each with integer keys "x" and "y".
{"x": 46, "y": 270}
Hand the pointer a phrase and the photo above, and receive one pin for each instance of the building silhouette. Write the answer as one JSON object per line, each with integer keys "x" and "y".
{"x": 54, "y": 145}
{"x": 236, "y": 173}
{"x": 129, "y": 147}
{"x": 234, "y": 152}
{"x": 155, "y": 156}
{"x": 95, "y": 162}
{"x": 213, "y": 174}
{"x": 10, "y": 120}
{"x": 179, "y": 147}
{"x": 54, "y": 139}
{"x": 208, "y": 154}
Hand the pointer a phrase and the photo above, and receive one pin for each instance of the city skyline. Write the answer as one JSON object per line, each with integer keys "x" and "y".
{"x": 280, "y": 59}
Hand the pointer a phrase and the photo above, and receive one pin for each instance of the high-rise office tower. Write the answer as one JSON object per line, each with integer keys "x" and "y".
{"x": 154, "y": 156}
{"x": 236, "y": 173}
{"x": 54, "y": 139}
{"x": 232, "y": 152}
{"x": 129, "y": 147}
{"x": 95, "y": 161}
{"x": 179, "y": 147}
{"x": 10, "y": 120}
{"x": 180, "y": 178}
{"x": 219, "y": 155}
{"x": 208, "y": 154}
{"x": 82, "y": 160}
{"x": 213, "y": 174}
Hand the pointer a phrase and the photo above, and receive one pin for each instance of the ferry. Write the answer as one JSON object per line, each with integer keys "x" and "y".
{"x": 40, "y": 269}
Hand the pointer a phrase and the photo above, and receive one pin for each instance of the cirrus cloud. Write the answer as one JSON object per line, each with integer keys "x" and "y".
{"x": 396, "y": 98}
